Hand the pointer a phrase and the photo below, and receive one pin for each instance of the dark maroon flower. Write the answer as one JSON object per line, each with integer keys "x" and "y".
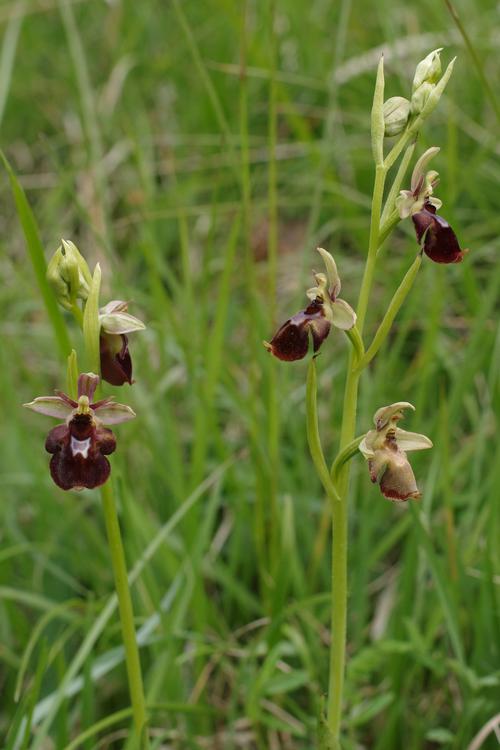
{"x": 291, "y": 341}
{"x": 79, "y": 450}
{"x": 116, "y": 322}
{"x": 325, "y": 309}
{"x": 79, "y": 446}
{"x": 439, "y": 240}
{"x": 116, "y": 362}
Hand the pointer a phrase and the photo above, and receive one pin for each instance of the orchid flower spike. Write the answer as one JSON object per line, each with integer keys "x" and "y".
{"x": 385, "y": 449}
{"x": 116, "y": 323}
{"x": 291, "y": 341}
{"x": 80, "y": 445}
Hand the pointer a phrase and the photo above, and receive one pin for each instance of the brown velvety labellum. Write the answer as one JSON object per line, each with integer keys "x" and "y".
{"x": 79, "y": 450}
{"x": 291, "y": 341}
{"x": 440, "y": 241}
{"x": 116, "y": 362}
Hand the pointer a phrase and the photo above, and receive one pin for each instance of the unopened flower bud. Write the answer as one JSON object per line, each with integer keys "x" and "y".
{"x": 428, "y": 70}
{"x": 420, "y": 97}
{"x": 396, "y": 113}
{"x": 69, "y": 275}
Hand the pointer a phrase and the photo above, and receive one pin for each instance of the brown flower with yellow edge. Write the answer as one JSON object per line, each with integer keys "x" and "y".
{"x": 385, "y": 448}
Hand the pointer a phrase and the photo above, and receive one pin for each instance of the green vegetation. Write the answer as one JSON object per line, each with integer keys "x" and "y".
{"x": 145, "y": 132}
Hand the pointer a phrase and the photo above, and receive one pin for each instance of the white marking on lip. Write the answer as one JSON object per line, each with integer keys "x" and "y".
{"x": 80, "y": 446}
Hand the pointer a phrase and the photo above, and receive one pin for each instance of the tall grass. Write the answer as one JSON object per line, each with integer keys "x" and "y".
{"x": 133, "y": 127}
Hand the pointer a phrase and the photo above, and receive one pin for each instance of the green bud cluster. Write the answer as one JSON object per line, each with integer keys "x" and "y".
{"x": 426, "y": 76}
{"x": 69, "y": 275}
{"x": 396, "y": 113}
{"x": 428, "y": 85}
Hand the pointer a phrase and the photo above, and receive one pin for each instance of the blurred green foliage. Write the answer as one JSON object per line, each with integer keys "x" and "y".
{"x": 141, "y": 132}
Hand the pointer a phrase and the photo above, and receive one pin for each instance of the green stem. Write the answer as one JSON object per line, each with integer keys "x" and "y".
{"x": 356, "y": 341}
{"x": 313, "y": 437}
{"x": 91, "y": 332}
{"x": 126, "y": 612}
{"x": 339, "y": 510}
{"x": 390, "y": 203}
{"x": 339, "y": 566}
{"x": 387, "y": 227}
{"x": 77, "y": 314}
{"x": 345, "y": 455}
{"x": 366, "y": 284}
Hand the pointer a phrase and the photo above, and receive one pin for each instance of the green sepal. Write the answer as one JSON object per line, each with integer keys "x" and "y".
{"x": 377, "y": 116}
{"x": 433, "y": 99}
{"x": 313, "y": 437}
{"x": 72, "y": 375}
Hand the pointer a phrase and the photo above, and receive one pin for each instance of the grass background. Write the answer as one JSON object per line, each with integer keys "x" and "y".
{"x": 203, "y": 193}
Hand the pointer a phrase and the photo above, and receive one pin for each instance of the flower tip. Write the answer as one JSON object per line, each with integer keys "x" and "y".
{"x": 400, "y": 497}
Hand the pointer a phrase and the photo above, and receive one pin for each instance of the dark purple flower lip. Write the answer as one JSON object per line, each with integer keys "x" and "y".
{"x": 79, "y": 451}
{"x": 116, "y": 362}
{"x": 440, "y": 242}
{"x": 291, "y": 341}
{"x": 79, "y": 446}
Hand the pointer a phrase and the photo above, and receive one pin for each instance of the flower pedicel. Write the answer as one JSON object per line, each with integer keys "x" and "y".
{"x": 79, "y": 446}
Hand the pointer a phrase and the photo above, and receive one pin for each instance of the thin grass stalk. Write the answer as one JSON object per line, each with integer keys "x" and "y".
{"x": 272, "y": 249}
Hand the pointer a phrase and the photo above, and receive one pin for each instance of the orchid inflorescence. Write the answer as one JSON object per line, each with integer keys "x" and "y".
{"x": 70, "y": 277}
{"x": 385, "y": 447}
{"x": 80, "y": 445}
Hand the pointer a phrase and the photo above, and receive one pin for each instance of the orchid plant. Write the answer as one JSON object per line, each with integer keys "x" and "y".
{"x": 80, "y": 445}
{"x": 385, "y": 447}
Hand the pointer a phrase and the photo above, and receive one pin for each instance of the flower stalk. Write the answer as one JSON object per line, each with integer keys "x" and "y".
{"x": 91, "y": 335}
{"x": 394, "y": 306}
{"x": 132, "y": 659}
{"x": 385, "y": 447}
{"x": 79, "y": 446}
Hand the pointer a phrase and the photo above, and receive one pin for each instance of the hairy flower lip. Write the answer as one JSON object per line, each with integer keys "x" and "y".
{"x": 79, "y": 446}
{"x": 79, "y": 451}
{"x": 439, "y": 241}
{"x": 291, "y": 341}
